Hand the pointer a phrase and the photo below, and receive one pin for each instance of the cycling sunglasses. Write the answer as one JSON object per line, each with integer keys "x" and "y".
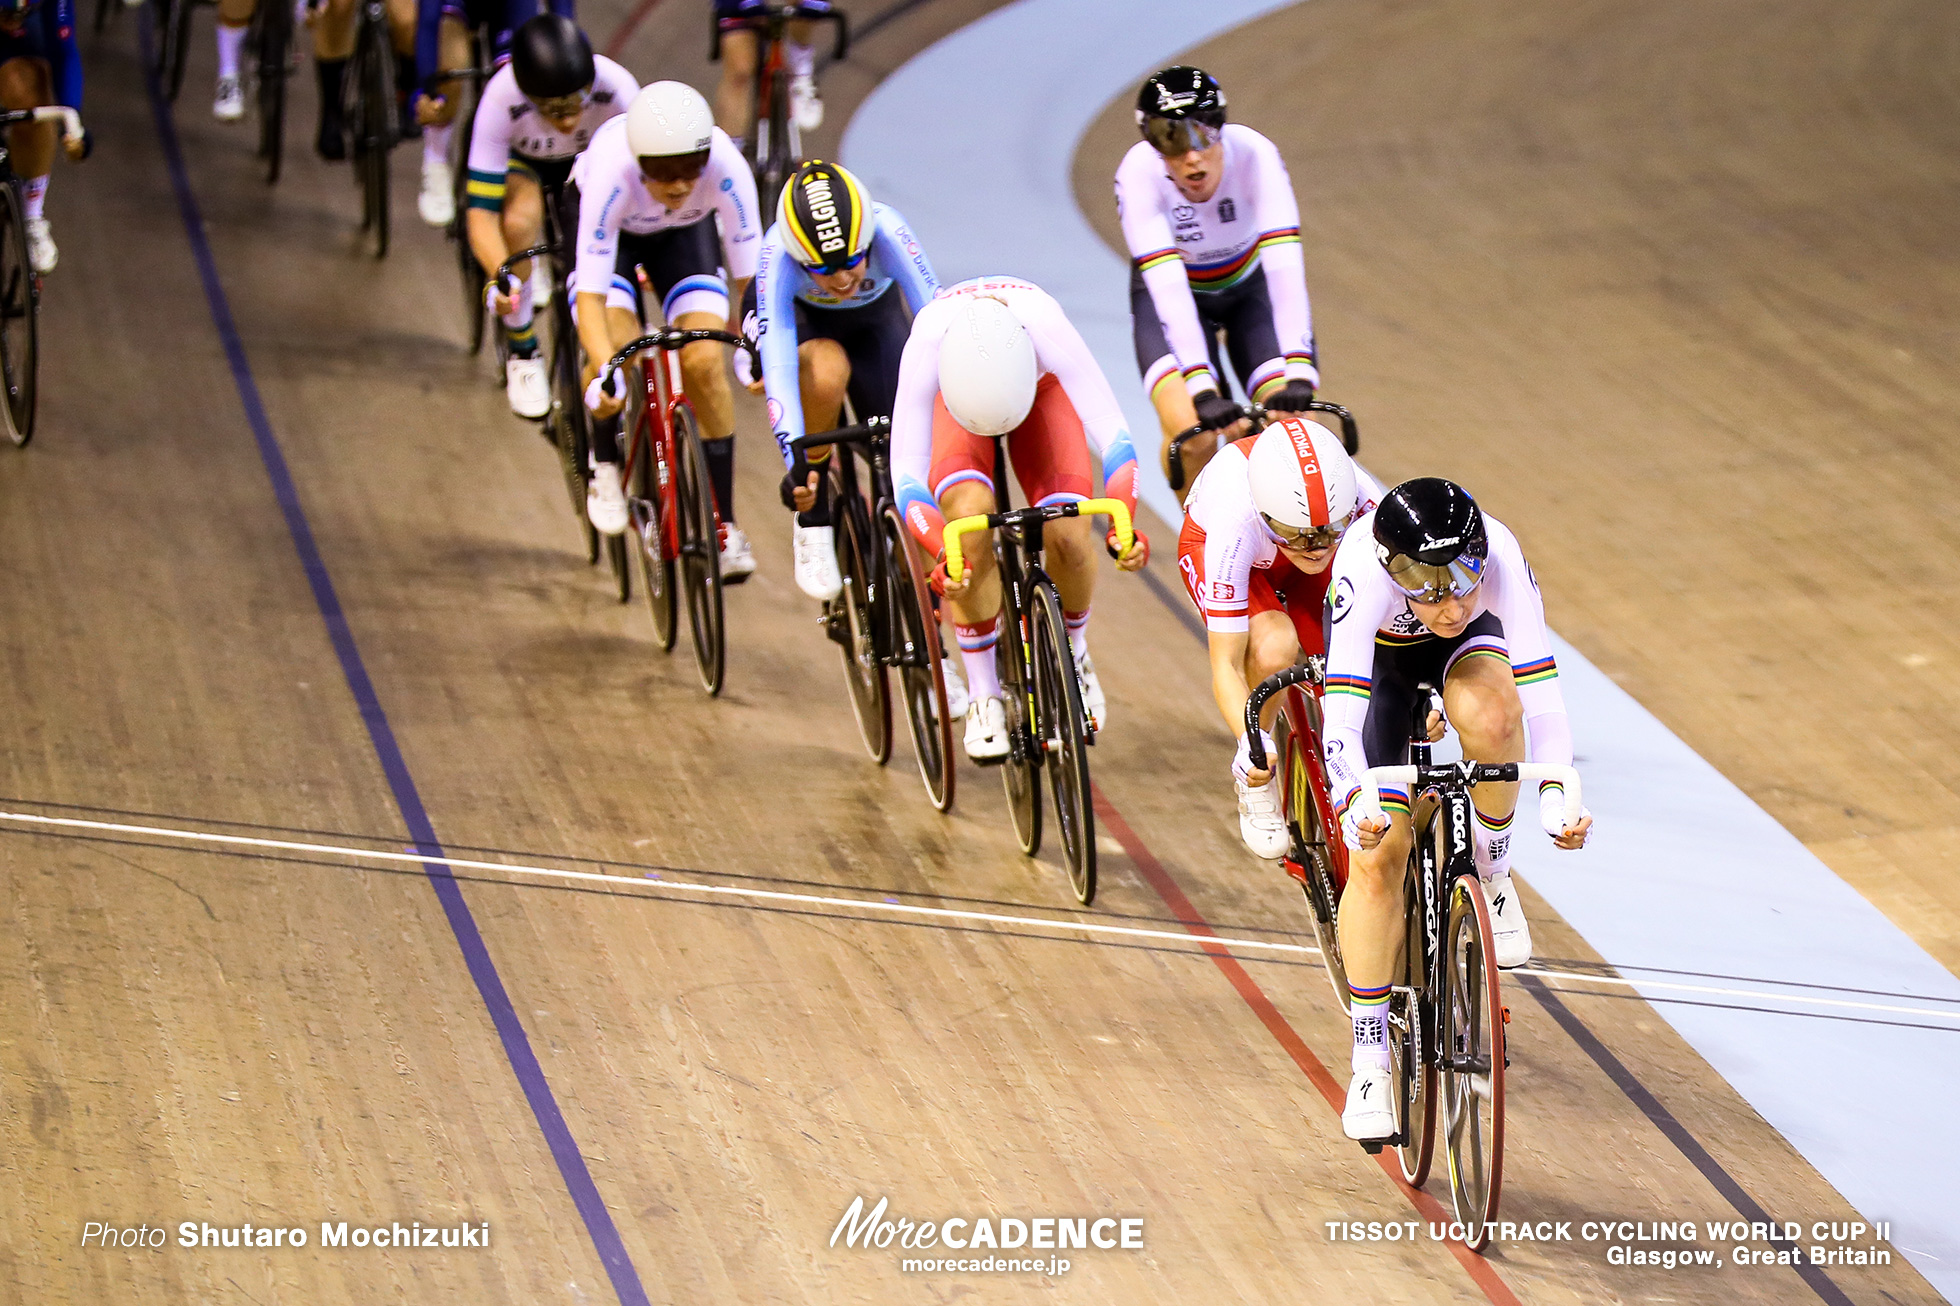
{"x": 1426, "y": 583}
{"x": 857, "y": 261}
{"x": 1310, "y": 539}
{"x": 1173, "y": 137}
{"x": 562, "y": 106}
{"x": 667, "y": 169}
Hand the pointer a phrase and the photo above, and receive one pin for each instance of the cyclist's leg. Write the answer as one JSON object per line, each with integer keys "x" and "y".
{"x": 1051, "y": 460}
{"x": 1246, "y": 313}
{"x": 27, "y": 83}
{"x": 962, "y": 481}
{"x": 521, "y": 223}
{"x": 1480, "y": 696}
{"x": 686, "y": 274}
{"x": 437, "y": 116}
{"x": 333, "y": 43}
{"x": 735, "y": 95}
{"x": 800, "y": 56}
{"x": 404, "y": 22}
{"x": 234, "y": 19}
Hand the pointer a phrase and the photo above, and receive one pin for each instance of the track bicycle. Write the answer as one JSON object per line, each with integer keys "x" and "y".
{"x": 1315, "y": 855}
{"x": 566, "y": 422}
{"x": 20, "y": 287}
{"x": 670, "y": 498}
{"x": 1446, "y": 1013}
{"x": 1047, "y": 726}
{"x": 373, "y": 120}
{"x": 775, "y": 146}
{"x": 268, "y": 54}
{"x": 173, "y": 20}
{"x": 1258, "y": 415}
{"x": 883, "y": 617}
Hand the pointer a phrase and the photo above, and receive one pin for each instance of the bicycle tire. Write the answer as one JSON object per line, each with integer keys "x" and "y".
{"x": 649, "y": 514}
{"x": 1063, "y": 727}
{"x": 782, "y": 138}
{"x": 475, "y": 280}
{"x": 864, "y": 671}
{"x": 160, "y": 56}
{"x": 375, "y": 138}
{"x": 19, "y": 320}
{"x": 179, "y": 47}
{"x": 920, "y": 657}
{"x": 275, "y": 31}
{"x": 1473, "y": 1029}
{"x": 700, "y": 553}
{"x": 1413, "y": 1059}
{"x": 1309, "y": 849}
{"x": 570, "y": 433}
{"x": 1021, "y": 771}
{"x": 620, "y": 566}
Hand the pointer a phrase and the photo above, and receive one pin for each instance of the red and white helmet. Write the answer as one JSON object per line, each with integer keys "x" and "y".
{"x": 1302, "y": 478}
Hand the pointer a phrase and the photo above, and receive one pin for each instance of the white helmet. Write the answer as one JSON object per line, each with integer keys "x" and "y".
{"x": 669, "y": 118}
{"x": 1302, "y": 478}
{"x": 987, "y": 368}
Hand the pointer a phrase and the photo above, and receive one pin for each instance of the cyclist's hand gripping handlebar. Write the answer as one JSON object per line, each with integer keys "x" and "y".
{"x": 1567, "y": 806}
{"x": 504, "y": 281}
{"x": 1301, "y": 673}
{"x": 1119, "y": 522}
{"x": 608, "y": 379}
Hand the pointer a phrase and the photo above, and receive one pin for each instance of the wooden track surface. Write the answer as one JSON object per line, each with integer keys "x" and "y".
{"x": 285, "y": 1040}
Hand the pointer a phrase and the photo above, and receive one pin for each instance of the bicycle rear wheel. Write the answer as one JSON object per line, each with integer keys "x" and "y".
{"x": 1063, "y": 729}
{"x": 275, "y": 31}
{"x": 19, "y": 320}
{"x": 1021, "y": 772}
{"x": 1473, "y": 1055}
{"x": 1311, "y": 854}
{"x": 851, "y": 621}
{"x": 700, "y": 552}
{"x": 920, "y": 658}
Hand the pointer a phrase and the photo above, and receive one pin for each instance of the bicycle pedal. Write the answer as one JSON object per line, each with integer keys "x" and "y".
{"x": 1374, "y": 1146}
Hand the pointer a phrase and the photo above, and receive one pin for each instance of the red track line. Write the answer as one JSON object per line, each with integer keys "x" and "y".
{"x": 624, "y": 32}
{"x": 1479, "y": 1269}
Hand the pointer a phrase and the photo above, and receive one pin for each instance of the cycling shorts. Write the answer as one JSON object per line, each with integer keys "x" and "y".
{"x": 1049, "y": 450}
{"x": 1244, "y": 312}
{"x": 1404, "y": 661}
{"x": 683, "y": 264}
{"x": 1281, "y": 587}
{"x": 872, "y": 336}
{"x": 28, "y": 41}
{"x": 733, "y": 15}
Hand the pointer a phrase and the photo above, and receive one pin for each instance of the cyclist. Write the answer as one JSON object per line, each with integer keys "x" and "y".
{"x": 835, "y": 287}
{"x": 1260, "y": 529}
{"x": 1213, "y": 231}
{"x": 537, "y": 113}
{"x": 652, "y": 186}
{"x": 335, "y": 24}
{"x": 740, "y": 53}
{"x": 39, "y": 64}
{"x": 997, "y": 356}
{"x": 1430, "y": 589}
{"x": 443, "y": 31}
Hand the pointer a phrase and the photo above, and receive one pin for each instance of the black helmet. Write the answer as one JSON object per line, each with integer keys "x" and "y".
{"x": 550, "y": 58}
{"x": 1181, "y": 109}
{"x": 1429, "y": 536}
{"x": 826, "y": 217}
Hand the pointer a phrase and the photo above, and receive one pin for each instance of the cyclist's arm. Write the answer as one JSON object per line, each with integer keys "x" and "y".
{"x": 911, "y": 444}
{"x": 1225, "y": 593}
{"x": 1059, "y": 348}
{"x": 735, "y": 203}
{"x": 428, "y": 42}
{"x": 775, "y": 334}
{"x": 899, "y": 250}
{"x": 602, "y": 202}
{"x": 1153, "y": 251}
{"x": 489, "y": 170}
{"x": 65, "y": 59}
{"x": 1277, "y": 212}
{"x": 612, "y": 85}
{"x": 1515, "y": 600}
{"x": 1362, "y": 601}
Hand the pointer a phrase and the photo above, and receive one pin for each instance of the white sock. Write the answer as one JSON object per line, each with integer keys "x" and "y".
{"x": 1369, "y": 1008}
{"x": 977, "y": 654}
{"x": 435, "y": 144}
{"x": 1491, "y": 844}
{"x": 802, "y": 59}
{"x": 34, "y": 196}
{"x": 230, "y": 41}
{"x": 1078, "y": 632}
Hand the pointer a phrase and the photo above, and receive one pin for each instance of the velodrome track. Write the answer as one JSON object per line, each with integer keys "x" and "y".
{"x": 660, "y": 1098}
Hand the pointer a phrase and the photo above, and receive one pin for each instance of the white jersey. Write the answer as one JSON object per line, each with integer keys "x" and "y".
{"x": 1369, "y": 610}
{"x": 1059, "y": 351}
{"x": 613, "y": 198}
{"x": 1251, "y": 221}
{"x": 507, "y": 123}
{"x": 1235, "y": 540}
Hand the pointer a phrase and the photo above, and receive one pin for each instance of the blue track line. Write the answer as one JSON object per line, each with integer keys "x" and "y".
{"x": 489, "y": 984}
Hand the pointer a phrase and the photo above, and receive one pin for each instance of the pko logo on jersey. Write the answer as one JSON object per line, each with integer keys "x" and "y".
{"x": 823, "y": 212}
{"x": 864, "y": 1229}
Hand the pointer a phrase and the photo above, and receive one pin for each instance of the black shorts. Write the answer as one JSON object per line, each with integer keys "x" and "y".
{"x": 1244, "y": 313}
{"x": 554, "y": 179}
{"x": 872, "y": 336}
{"x": 678, "y": 262}
{"x": 1401, "y": 666}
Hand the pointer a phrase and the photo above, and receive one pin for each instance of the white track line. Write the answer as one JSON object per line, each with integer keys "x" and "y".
{"x": 897, "y": 908}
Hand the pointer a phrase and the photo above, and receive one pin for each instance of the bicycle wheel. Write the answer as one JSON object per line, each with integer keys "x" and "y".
{"x": 850, "y": 621}
{"x": 920, "y": 658}
{"x": 1063, "y": 729}
{"x": 1310, "y": 858}
{"x": 781, "y": 143}
{"x": 1021, "y": 772}
{"x": 1473, "y": 1056}
{"x": 275, "y": 31}
{"x": 656, "y": 563}
{"x": 1408, "y": 1025}
{"x": 700, "y": 552}
{"x": 177, "y": 46}
{"x": 102, "y": 8}
{"x": 374, "y": 127}
{"x": 569, "y": 432}
{"x": 19, "y": 329}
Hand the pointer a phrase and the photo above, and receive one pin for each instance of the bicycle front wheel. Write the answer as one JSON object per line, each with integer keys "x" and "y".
{"x": 700, "y": 552}
{"x": 569, "y": 433}
{"x": 650, "y": 514}
{"x": 1062, "y": 728}
{"x": 1021, "y": 773}
{"x": 275, "y": 35}
{"x": 1473, "y": 1056}
{"x": 1297, "y": 735}
{"x": 853, "y": 627}
{"x": 1410, "y": 1010}
{"x": 177, "y": 48}
{"x": 19, "y": 330}
{"x": 374, "y": 131}
{"x": 920, "y": 658}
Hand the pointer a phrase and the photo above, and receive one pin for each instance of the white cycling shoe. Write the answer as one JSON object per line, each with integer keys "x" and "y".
{"x": 986, "y": 730}
{"x": 41, "y": 253}
{"x": 1510, "y": 932}
{"x": 605, "y": 500}
{"x": 815, "y": 548}
{"x": 230, "y": 104}
{"x": 957, "y": 700}
{"x": 737, "y": 559}
{"x": 1093, "y": 701}
{"x": 1261, "y": 824}
{"x": 526, "y": 387}
{"x": 805, "y": 105}
{"x": 437, "y": 202}
{"x": 1370, "y": 1110}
